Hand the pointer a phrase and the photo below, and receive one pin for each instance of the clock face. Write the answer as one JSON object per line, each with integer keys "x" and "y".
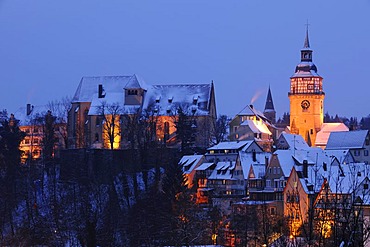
{"x": 305, "y": 104}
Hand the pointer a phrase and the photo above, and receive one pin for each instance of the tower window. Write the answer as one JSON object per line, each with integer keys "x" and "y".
{"x": 132, "y": 92}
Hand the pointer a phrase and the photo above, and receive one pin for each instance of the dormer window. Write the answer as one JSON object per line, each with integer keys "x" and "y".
{"x": 195, "y": 100}
{"x": 158, "y": 99}
{"x": 170, "y": 100}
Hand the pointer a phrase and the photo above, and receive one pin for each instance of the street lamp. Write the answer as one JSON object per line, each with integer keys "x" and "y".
{"x": 214, "y": 238}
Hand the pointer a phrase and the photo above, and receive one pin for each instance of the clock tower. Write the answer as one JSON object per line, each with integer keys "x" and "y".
{"x": 306, "y": 97}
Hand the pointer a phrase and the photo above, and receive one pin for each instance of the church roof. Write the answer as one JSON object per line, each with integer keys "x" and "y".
{"x": 193, "y": 98}
{"x": 88, "y": 86}
{"x": 306, "y": 44}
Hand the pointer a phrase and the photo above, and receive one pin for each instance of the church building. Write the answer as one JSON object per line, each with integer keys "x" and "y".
{"x": 306, "y": 97}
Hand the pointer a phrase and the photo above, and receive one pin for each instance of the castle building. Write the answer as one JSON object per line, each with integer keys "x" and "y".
{"x": 106, "y": 109}
{"x": 306, "y": 97}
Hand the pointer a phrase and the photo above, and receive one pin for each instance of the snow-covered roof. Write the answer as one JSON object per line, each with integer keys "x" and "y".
{"x": 306, "y": 69}
{"x": 249, "y": 110}
{"x": 36, "y": 111}
{"x": 323, "y": 135}
{"x": 347, "y": 139}
{"x": 256, "y": 127}
{"x": 246, "y": 160}
{"x": 237, "y": 145}
{"x": 193, "y": 98}
{"x": 347, "y": 178}
{"x": 88, "y": 87}
{"x": 258, "y": 170}
{"x": 294, "y": 141}
{"x": 342, "y": 155}
{"x": 109, "y": 100}
{"x": 189, "y": 162}
{"x": 136, "y": 81}
{"x": 286, "y": 161}
{"x": 204, "y": 166}
{"x": 223, "y": 170}
{"x": 163, "y": 99}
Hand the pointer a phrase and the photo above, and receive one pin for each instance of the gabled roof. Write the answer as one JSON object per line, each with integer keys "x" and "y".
{"x": 342, "y": 155}
{"x": 246, "y": 161}
{"x": 322, "y": 136}
{"x": 36, "y": 111}
{"x": 257, "y": 170}
{"x": 257, "y": 128}
{"x": 249, "y": 110}
{"x": 347, "y": 139}
{"x": 294, "y": 141}
{"x": 190, "y": 162}
{"x": 285, "y": 158}
{"x": 347, "y": 178}
{"x": 136, "y": 81}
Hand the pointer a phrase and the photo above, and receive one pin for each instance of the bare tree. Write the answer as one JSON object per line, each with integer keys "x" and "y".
{"x": 60, "y": 109}
{"x": 220, "y": 129}
{"x": 111, "y": 114}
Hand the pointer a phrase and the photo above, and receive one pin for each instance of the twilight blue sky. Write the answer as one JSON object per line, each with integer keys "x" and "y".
{"x": 242, "y": 45}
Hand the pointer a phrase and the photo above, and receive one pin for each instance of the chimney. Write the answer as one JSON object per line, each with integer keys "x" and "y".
{"x": 266, "y": 161}
{"x": 305, "y": 168}
{"x": 251, "y": 106}
{"x": 101, "y": 93}
{"x": 29, "y": 109}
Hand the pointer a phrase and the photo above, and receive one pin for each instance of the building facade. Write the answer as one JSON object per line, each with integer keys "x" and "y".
{"x": 306, "y": 97}
{"x": 105, "y": 110}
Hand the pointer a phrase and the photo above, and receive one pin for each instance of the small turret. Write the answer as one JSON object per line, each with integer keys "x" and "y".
{"x": 269, "y": 111}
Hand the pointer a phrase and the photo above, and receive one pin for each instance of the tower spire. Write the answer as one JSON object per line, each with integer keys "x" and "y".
{"x": 269, "y": 103}
{"x": 306, "y": 52}
{"x": 306, "y": 40}
{"x": 269, "y": 111}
